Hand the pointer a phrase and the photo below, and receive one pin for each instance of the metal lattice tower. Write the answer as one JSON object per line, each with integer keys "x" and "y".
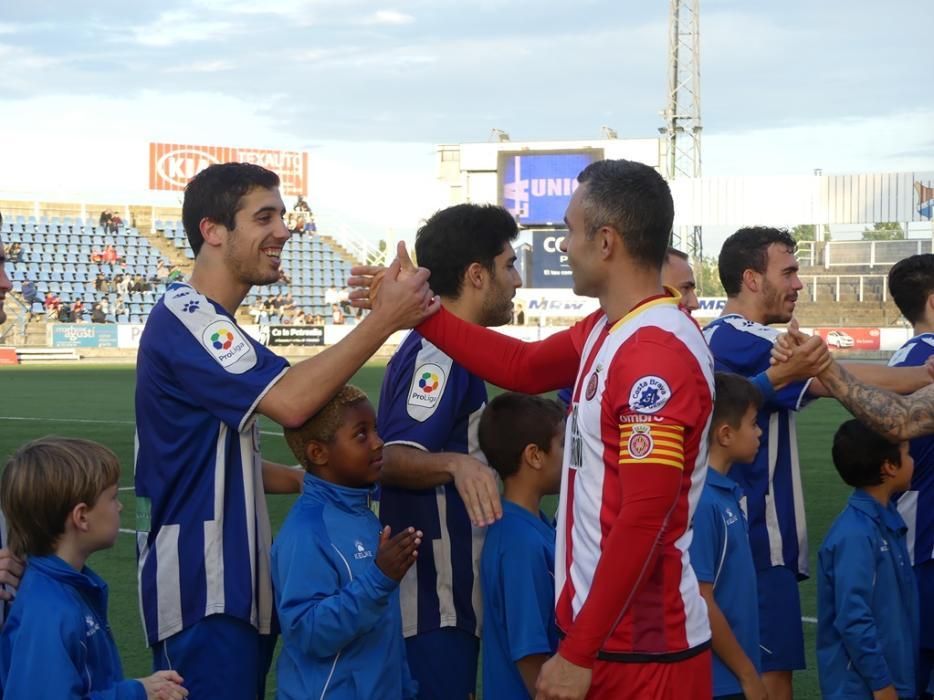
{"x": 682, "y": 128}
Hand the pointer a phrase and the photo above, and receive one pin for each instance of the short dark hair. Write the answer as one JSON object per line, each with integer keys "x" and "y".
{"x": 748, "y": 249}
{"x": 675, "y": 253}
{"x": 858, "y": 454}
{"x": 911, "y": 282}
{"x": 514, "y": 421}
{"x": 456, "y": 237}
{"x": 635, "y": 200}
{"x": 216, "y": 193}
{"x": 734, "y": 395}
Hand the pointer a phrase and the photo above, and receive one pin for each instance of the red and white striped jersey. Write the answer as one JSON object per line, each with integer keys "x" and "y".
{"x": 634, "y": 466}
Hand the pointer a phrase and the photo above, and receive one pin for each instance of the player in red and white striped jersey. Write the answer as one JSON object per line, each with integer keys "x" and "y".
{"x": 633, "y": 620}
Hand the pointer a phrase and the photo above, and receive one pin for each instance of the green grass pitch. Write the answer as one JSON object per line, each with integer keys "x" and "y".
{"x": 96, "y": 402}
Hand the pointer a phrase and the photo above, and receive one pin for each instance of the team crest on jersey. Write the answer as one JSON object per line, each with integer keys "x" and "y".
{"x": 640, "y": 442}
{"x": 427, "y": 386}
{"x": 591, "y": 386}
{"x": 92, "y": 626}
{"x": 649, "y": 394}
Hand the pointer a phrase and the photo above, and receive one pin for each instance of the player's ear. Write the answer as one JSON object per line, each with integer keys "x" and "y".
{"x": 475, "y": 275}
{"x": 889, "y": 470}
{"x": 211, "y": 231}
{"x": 317, "y": 453}
{"x": 723, "y": 434}
{"x": 751, "y": 279}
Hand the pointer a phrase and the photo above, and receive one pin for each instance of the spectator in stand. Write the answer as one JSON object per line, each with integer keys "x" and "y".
{"x": 107, "y": 286}
{"x": 52, "y": 304}
{"x": 337, "y": 315}
{"x": 162, "y": 271}
{"x": 29, "y": 293}
{"x": 99, "y": 282}
{"x": 105, "y": 306}
{"x": 301, "y": 205}
{"x": 144, "y": 285}
{"x": 119, "y": 306}
{"x": 104, "y": 220}
{"x": 288, "y": 301}
{"x": 298, "y": 226}
{"x": 77, "y": 311}
{"x": 96, "y": 256}
{"x": 310, "y": 225}
{"x": 284, "y": 277}
{"x": 317, "y": 320}
{"x": 14, "y": 253}
{"x": 122, "y": 285}
{"x": 116, "y": 223}
{"x": 65, "y": 314}
{"x": 110, "y": 255}
{"x": 97, "y": 314}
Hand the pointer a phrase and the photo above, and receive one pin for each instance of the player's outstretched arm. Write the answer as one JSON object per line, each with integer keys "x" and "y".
{"x": 412, "y": 468}
{"x": 280, "y": 478}
{"x": 11, "y": 571}
{"x": 403, "y": 303}
{"x": 897, "y": 417}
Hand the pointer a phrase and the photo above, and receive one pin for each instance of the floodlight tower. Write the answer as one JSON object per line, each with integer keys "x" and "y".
{"x": 682, "y": 128}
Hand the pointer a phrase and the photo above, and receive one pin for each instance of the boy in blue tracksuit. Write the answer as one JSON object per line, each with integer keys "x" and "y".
{"x": 867, "y": 602}
{"x": 335, "y": 573}
{"x": 523, "y": 439}
{"x": 60, "y": 498}
{"x": 720, "y": 551}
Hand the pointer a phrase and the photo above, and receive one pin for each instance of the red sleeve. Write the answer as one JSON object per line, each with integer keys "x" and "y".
{"x": 650, "y": 477}
{"x": 513, "y": 364}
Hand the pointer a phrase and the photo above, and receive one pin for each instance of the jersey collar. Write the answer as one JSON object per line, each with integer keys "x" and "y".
{"x": 671, "y": 297}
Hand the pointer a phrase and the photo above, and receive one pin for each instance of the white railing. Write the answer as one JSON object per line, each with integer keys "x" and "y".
{"x": 812, "y": 283}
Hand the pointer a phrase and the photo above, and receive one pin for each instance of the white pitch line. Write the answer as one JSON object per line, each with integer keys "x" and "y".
{"x": 809, "y": 620}
{"x": 127, "y": 532}
{"x": 94, "y": 421}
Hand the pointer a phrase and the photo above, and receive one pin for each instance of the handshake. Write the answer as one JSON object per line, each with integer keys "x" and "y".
{"x": 797, "y": 356}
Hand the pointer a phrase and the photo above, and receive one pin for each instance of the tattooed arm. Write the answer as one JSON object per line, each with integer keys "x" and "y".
{"x": 896, "y": 417}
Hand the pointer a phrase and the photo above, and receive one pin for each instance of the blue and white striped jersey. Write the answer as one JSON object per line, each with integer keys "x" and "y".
{"x": 203, "y": 535}
{"x": 916, "y": 506}
{"x": 771, "y": 483}
{"x": 430, "y": 402}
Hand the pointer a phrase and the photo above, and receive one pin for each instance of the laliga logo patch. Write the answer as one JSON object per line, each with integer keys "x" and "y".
{"x": 227, "y": 345}
{"x": 640, "y": 442}
{"x": 649, "y": 394}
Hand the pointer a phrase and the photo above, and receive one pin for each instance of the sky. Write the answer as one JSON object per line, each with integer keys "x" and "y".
{"x": 370, "y": 88}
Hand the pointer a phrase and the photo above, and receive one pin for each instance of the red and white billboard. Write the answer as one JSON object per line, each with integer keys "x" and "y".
{"x": 172, "y": 165}
{"x": 850, "y": 338}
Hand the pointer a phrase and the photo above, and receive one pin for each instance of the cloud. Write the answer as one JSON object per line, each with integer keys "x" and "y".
{"x": 389, "y": 17}
{"x": 176, "y": 27}
{"x": 201, "y": 67}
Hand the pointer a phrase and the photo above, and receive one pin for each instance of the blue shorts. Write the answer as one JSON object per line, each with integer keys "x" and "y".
{"x": 219, "y": 657}
{"x": 444, "y": 662}
{"x": 781, "y": 635}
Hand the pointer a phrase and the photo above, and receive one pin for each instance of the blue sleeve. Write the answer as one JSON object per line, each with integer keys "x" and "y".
{"x": 708, "y": 541}
{"x": 853, "y": 562}
{"x": 409, "y": 684}
{"x": 218, "y": 364}
{"x": 48, "y": 661}
{"x": 420, "y": 402}
{"x": 528, "y": 599}
{"x": 320, "y": 610}
{"x": 748, "y": 354}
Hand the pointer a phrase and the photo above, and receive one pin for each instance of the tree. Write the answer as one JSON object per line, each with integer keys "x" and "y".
{"x": 707, "y": 276}
{"x": 886, "y": 231}
{"x": 808, "y": 232}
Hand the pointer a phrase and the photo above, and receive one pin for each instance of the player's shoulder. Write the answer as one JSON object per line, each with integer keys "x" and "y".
{"x": 914, "y": 352}
{"x": 733, "y": 327}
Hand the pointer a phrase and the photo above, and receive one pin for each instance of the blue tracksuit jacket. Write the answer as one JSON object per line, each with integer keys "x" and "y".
{"x": 867, "y": 604}
{"x": 340, "y": 616}
{"x": 56, "y": 643}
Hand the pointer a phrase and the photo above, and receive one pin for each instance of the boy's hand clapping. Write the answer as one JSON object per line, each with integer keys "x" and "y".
{"x": 395, "y": 556}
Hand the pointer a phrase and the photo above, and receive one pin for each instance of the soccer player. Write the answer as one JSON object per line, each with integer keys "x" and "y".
{"x": 11, "y": 566}
{"x": 678, "y": 274}
{"x": 434, "y": 477}
{"x": 759, "y": 273}
{"x": 628, "y": 604}
{"x": 203, "y": 530}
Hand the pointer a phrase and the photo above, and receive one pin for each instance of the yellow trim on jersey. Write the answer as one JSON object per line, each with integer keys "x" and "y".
{"x": 673, "y": 300}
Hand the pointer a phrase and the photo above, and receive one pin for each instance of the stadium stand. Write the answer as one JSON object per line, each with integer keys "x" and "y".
{"x": 56, "y": 256}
